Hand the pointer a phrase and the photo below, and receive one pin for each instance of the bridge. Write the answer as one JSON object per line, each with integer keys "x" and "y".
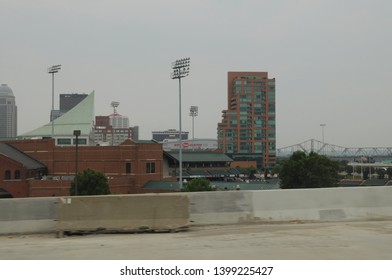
{"x": 335, "y": 151}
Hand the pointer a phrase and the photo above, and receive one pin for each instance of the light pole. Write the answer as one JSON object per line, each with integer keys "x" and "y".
{"x": 193, "y": 112}
{"x": 51, "y": 70}
{"x": 76, "y": 133}
{"x": 322, "y": 130}
{"x": 180, "y": 70}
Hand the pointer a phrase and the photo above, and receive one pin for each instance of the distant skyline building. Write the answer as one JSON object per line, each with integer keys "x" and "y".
{"x": 159, "y": 136}
{"x": 118, "y": 121}
{"x": 247, "y": 131}
{"x": 67, "y": 102}
{"x": 114, "y": 129}
{"x": 8, "y": 112}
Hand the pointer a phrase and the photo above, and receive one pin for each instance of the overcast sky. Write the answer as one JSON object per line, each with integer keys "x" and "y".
{"x": 332, "y": 61}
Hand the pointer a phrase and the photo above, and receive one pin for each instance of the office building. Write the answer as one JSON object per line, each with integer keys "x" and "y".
{"x": 8, "y": 112}
{"x": 70, "y": 100}
{"x": 247, "y": 131}
{"x": 67, "y": 102}
{"x": 114, "y": 130}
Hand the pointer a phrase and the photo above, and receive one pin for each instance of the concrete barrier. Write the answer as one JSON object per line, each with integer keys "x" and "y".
{"x": 123, "y": 212}
{"x": 28, "y": 215}
{"x": 331, "y": 204}
{"x": 221, "y": 207}
{"x": 175, "y": 210}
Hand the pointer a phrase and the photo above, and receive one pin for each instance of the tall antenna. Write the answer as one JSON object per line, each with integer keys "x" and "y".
{"x": 114, "y": 104}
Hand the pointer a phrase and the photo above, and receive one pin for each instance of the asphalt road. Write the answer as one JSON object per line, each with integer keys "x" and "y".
{"x": 309, "y": 241}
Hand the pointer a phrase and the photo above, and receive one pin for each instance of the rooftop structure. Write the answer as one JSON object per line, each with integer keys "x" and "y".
{"x": 79, "y": 117}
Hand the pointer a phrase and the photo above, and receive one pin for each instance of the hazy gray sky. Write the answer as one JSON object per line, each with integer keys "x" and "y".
{"x": 331, "y": 59}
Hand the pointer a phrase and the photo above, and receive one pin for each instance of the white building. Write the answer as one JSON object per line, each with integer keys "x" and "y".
{"x": 118, "y": 121}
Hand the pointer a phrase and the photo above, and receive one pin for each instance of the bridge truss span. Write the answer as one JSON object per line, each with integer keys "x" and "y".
{"x": 335, "y": 151}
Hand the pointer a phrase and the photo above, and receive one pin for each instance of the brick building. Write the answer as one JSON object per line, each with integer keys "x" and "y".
{"x": 247, "y": 131}
{"x": 128, "y": 166}
{"x": 16, "y": 168}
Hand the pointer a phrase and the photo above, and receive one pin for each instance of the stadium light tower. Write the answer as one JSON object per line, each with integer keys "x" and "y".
{"x": 193, "y": 112}
{"x": 51, "y": 70}
{"x": 180, "y": 70}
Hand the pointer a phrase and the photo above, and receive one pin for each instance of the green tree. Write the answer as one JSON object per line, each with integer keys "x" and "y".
{"x": 90, "y": 182}
{"x": 198, "y": 185}
{"x": 389, "y": 173}
{"x": 309, "y": 171}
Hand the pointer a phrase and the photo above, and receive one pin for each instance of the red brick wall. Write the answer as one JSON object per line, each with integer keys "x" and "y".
{"x": 16, "y": 187}
{"x": 111, "y": 160}
{"x": 43, "y": 188}
{"x": 243, "y": 164}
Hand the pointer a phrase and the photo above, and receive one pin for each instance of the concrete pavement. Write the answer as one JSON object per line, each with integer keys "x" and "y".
{"x": 320, "y": 241}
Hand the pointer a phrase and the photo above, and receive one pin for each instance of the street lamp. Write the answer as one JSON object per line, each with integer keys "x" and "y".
{"x": 193, "y": 112}
{"x": 322, "y": 130}
{"x": 51, "y": 70}
{"x": 76, "y": 133}
{"x": 180, "y": 70}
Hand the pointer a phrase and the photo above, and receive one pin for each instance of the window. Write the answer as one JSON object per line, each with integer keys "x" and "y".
{"x": 150, "y": 167}
{"x": 7, "y": 175}
{"x": 257, "y": 134}
{"x": 81, "y": 141}
{"x": 271, "y": 96}
{"x": 63, "y": 141}
{"x": 245, "y": 147}
{"x": 248, "y": 90}
{"x": 271, "y": 108}
{"x": 128, "y": 167}
{"x": 233, "y": 121}
{"x": 229, "y": 147}
{"x": 17, "y": 174}
{"x": 258, "y": 147}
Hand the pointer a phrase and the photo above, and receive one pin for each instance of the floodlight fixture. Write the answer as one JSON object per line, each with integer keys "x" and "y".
{"x": 180, "y": 68}
{"x": 54, "y": 69}
{"x": 114, "y": 105}
{"x": 194, "y": 111}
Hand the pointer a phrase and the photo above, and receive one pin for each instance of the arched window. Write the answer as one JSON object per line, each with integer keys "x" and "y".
{"x": 17, "y": 174}
{"x": 7, "y": 175}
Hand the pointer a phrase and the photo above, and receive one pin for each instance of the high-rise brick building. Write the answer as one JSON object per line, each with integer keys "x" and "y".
{"x": 247, "y": 131}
